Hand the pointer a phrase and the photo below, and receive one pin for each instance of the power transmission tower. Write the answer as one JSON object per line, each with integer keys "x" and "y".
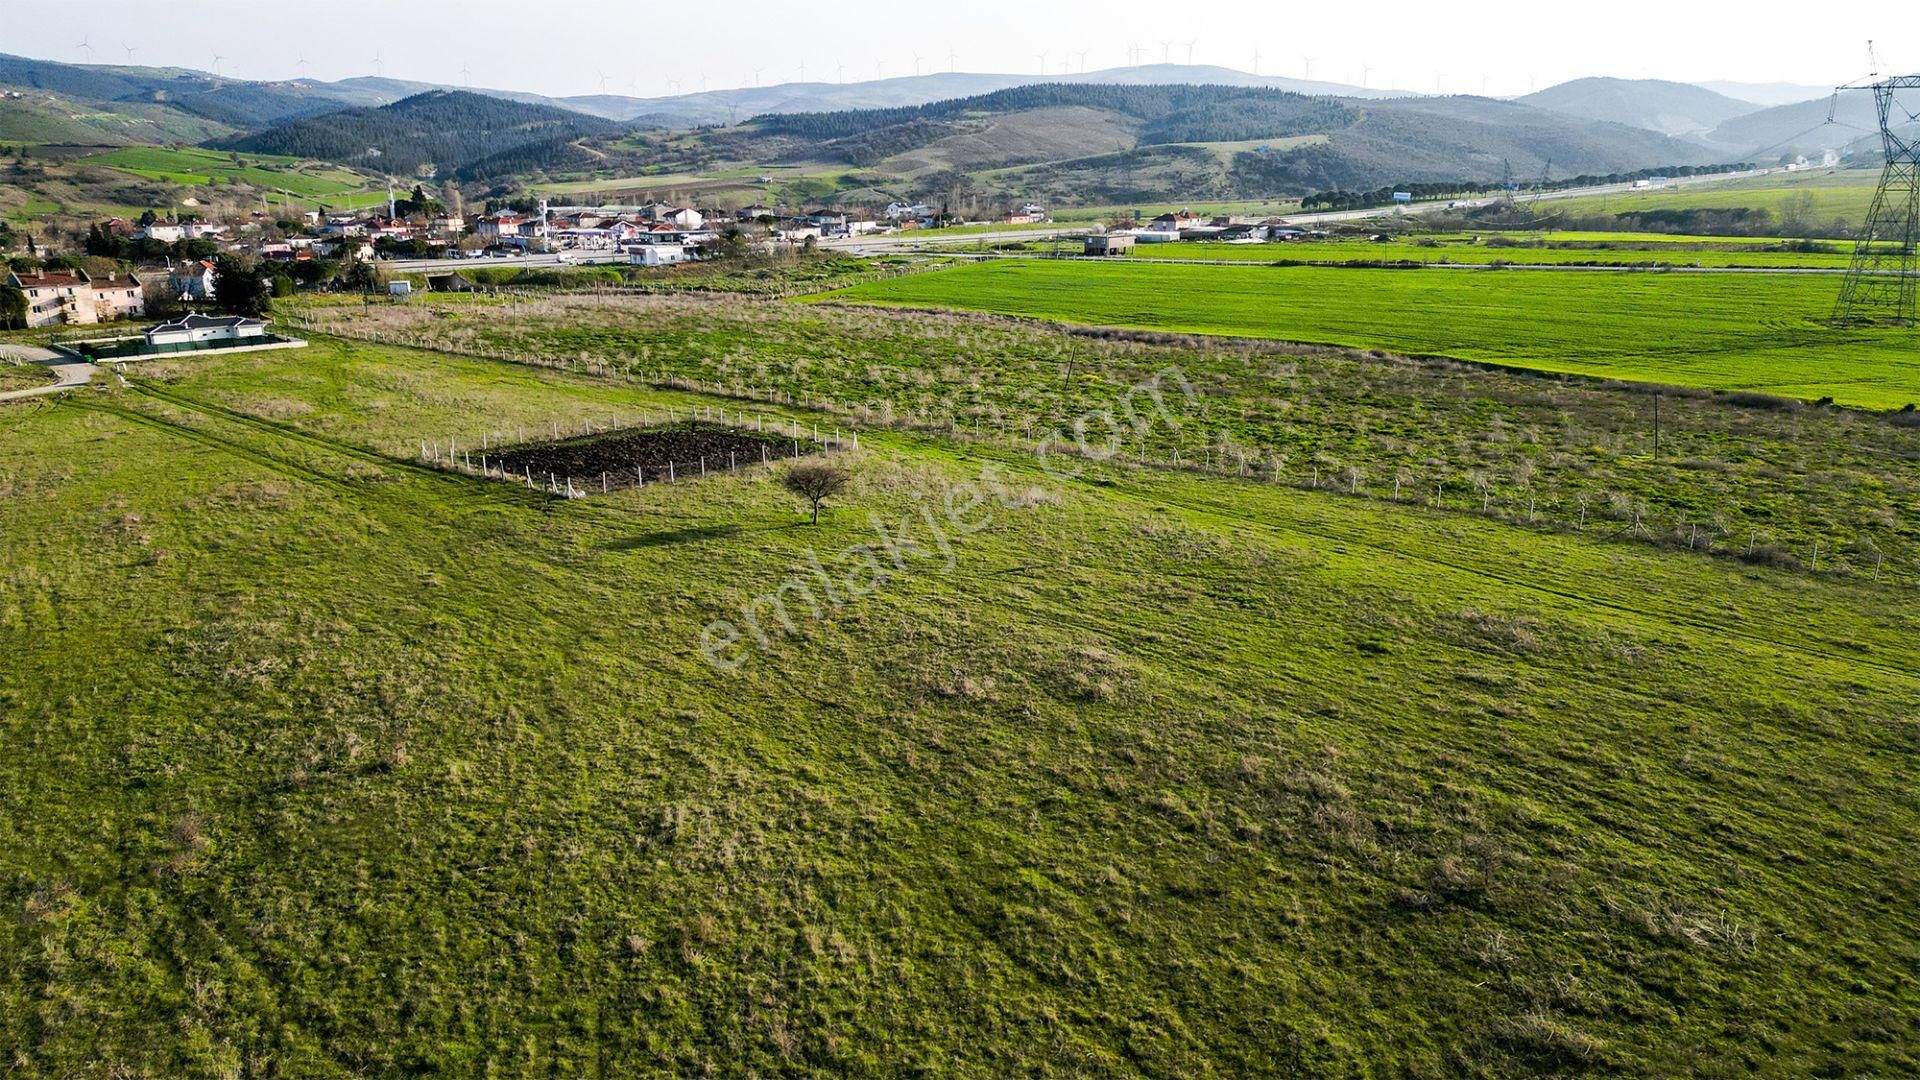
{"x": 1880, "y": 286}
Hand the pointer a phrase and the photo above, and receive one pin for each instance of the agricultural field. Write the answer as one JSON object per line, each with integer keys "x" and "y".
{"x": 1743, "y": 476}
{"x": 1147, "y": 771}
{"x": 1444, "y": 252}
{"x": 190, "y": 167}
{"x": 1821, "y": 195}
{"x": 1718, "y": 332}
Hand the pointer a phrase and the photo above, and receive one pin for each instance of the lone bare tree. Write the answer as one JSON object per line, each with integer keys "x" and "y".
{"x": 816, "y": 482}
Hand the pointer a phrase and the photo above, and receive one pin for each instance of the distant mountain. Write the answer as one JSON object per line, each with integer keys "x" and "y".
{"x": 731, "y": 106}
{"x": 457, "y": 134}
{"x": 1767, "y": 95}
{"x": 1787, "y": 131}
{"x": 1667, "y": 107}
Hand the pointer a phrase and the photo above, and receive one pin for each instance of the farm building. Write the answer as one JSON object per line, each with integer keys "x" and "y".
{"x": 451, "y": 283}
{"x": 660, "y": 255}
{"x": 194, "y": 329}
{"x": 1109, "y": 244}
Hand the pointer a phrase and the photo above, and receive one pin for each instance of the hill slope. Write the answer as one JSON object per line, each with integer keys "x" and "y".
{"x": 1190, "y": 141}
{"x": 447, "y": 131}
{"x": 1803, "y": 128}
{"x": 1667, "y": 107}
{"x": 40, "y": 116}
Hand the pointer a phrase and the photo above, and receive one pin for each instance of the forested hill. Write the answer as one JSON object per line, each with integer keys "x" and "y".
{"x": 1170, "y": 113}
{"x": 1319, "y": 142}
{"x": 460, "y": 134}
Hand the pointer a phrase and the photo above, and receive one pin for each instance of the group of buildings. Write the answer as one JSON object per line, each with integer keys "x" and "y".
{"x": 76, "y": 298}
{"x": 1182, "y": 225}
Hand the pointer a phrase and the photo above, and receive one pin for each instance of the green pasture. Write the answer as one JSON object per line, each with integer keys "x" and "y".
{"x": 323, "y": 763}
{"x": 1724, "y": 332}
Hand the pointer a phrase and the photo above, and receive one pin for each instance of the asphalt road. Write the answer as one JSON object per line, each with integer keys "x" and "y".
{"x": 70, "y": 373}
{"x": 876, "y": 245}
{"x": 867, "y": 245}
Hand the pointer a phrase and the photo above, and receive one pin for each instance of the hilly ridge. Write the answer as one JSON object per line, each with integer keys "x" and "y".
{"x": 1667, "y": 107}
{"x": 1231, "y": 140}
{"x": 449, "y": 132}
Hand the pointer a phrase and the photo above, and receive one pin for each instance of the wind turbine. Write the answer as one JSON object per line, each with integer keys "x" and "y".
{"x": 216, "y": 63}
{"x": 86, "y": 46}
{"x": 1190, "y": 45}
{"x": 916, "y": 65}
{"x": 603, "y": 82}
{"x": 1043, "y": 62}
{"x": 303, "y": 65}
{"x": 466, "y": 77}
{"x": 1083, "y": 61}
{"x": 379, "y": 66}
{"x": 953, "y": 60}
{"x": 756, "y": 75}
{"x": 879, "y": 70}
{"x": 1307, "y": 68}
{"x": 1166, "y": 52}
{"x": 840, "y": 72}
{"x": 1366, "y": 77}
{"x": 1256, "y": 61}
{"x": 131, "y": 49}
{"x": 803, "y": 71}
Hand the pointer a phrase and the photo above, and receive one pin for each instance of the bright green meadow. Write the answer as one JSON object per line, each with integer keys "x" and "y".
{"x": 1726, "y": 332}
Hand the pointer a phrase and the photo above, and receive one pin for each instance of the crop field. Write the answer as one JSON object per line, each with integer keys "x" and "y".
{"x": 1741, "y": 476}
{"x": 1129, "y": 771}
{"x": 1719, "y": 332}
{"x": 1473, "y": 254}
{"x": 1827, "y": 194}
{"x": 200, "y": 168}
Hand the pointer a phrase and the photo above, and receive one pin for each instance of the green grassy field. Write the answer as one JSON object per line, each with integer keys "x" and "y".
{"x": 1737, "y": 475}
{"x": 1412, "y": 251}
{"x": 322, "y": 764}
{"x": 1725, "y": 332}
{"x": 23, "y": 376}
{"x": 1827, "y": 195}
{"x": 192, "y": 167}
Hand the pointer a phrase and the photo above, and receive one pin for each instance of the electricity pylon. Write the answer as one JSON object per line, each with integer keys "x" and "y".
{"x": 1880, "y": 286}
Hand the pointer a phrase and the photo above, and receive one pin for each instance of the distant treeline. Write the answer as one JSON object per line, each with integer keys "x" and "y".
{"x": 1366, "y": 200}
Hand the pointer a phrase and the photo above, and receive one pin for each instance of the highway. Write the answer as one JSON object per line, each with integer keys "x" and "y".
{"x": 442, "y": 266}
{"x": 875, "y": 245}
{"x": 911, "y": 241}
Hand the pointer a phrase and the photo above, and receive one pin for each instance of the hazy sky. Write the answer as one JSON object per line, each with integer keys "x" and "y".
{"x": 645, "y": 49}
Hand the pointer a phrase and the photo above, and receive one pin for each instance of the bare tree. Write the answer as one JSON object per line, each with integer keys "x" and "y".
{"x": 816, "y": 482}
